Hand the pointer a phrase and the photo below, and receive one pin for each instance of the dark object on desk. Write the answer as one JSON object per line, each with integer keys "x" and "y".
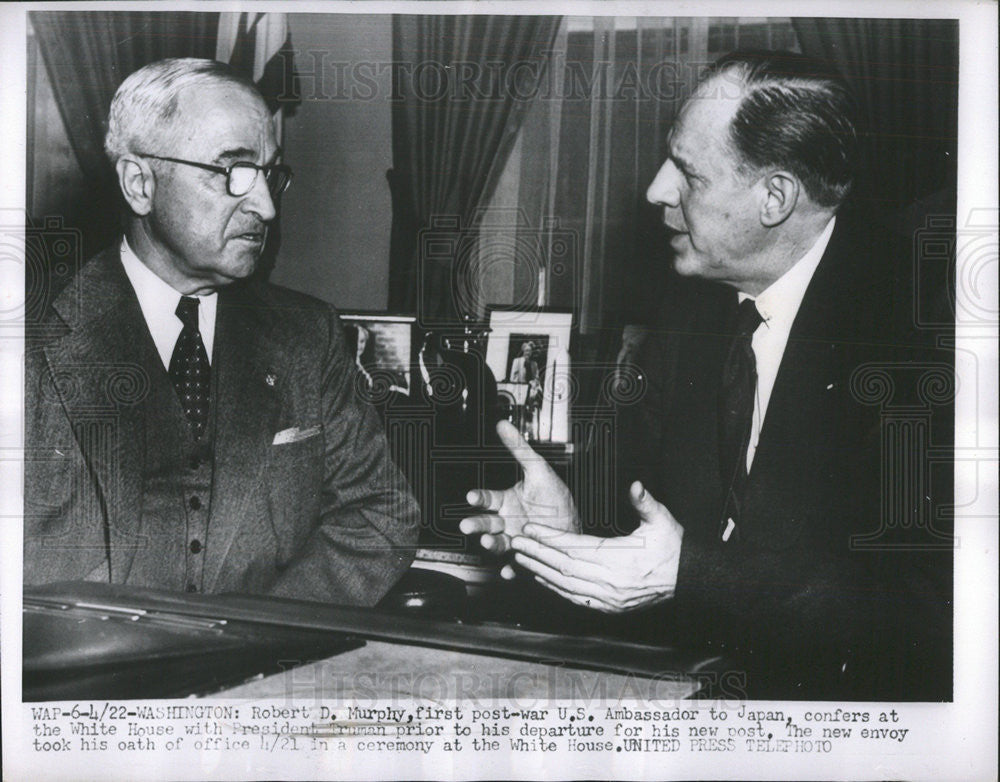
{"x": 425, "y": 593}
{"x": 443, "y": 436}
{"x": 51, "y": 646}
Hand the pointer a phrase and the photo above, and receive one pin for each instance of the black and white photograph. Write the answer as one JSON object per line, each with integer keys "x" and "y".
{"x": 529, "y": 348}
{"x": 536, "y": 391}
{"x": 526, "y": 358}
{"x": 382, "y": 347}
{"x": 524, "y": 381}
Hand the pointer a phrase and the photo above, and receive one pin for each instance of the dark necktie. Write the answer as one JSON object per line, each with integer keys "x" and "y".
{"x": 736, "y": 401}
{"x": 189, "y": 368}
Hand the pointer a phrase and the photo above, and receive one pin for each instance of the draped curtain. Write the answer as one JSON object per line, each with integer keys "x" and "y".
{"x": 462, "y": 84}
{"x": 624, "y": 81}
{"x": 87, "y": 55}
{"x": 589, "y": 147}
{"x": 905, "y": 73}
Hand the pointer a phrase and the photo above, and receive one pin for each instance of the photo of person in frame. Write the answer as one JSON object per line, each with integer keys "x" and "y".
{"x": 361, "y": 346}
{"x": 527, "y": 355}
{"x": 381, "y": 355}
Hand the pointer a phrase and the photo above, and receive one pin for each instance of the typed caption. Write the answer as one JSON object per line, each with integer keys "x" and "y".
{"x": 181, "y": 730}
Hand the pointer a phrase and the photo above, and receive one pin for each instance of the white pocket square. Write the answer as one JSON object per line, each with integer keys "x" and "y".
{"x": 294, "y": 435}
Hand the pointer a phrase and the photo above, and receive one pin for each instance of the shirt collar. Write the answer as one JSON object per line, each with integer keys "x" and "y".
{"x": 779, "y": 303}
{"x": 158, "y": 301}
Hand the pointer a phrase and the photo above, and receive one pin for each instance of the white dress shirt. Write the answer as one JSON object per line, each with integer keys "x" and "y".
{"x": 159, "y": 304}
{"x": 778, "y": 306}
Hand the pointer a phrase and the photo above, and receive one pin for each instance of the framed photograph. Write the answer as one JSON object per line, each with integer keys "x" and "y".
{"x": 528, "y": 352}
{"x": 382, "y": 348}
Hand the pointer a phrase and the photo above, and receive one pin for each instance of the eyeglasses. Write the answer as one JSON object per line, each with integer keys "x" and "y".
{"x": 242, "y": 176}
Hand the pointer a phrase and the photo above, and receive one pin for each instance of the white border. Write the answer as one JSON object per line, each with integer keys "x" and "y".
{"x": 963, "y": 738}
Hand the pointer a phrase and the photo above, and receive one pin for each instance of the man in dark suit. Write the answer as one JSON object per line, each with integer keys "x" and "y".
{"x": 188, "y": 427}
{"x": 779, "y": 457}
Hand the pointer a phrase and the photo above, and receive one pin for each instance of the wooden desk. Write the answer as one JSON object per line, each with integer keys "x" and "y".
{"x": 389, "y": 671}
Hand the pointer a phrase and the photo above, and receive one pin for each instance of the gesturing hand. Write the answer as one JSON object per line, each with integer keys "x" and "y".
{"x": 609, "y": 574}
{"x": 540, "y": 497}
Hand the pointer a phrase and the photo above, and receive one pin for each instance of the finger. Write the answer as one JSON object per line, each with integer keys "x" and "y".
{"x": 498, "y": 544}
{"x": 587, "y": 602}
{"x": 487, "y": 499}
{"x": 648, "y": 508}
{"x": 574, "y": 561}
{"x": 484, "y": 523}
{"x": 519, "y": 448}
{"x": 580, "y": 548}
{"x": 571, "y": 583}
{"x": 508, "y": 573}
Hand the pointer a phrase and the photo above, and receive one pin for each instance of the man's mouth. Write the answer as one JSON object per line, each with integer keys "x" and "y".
{"x": 672, "y": 229}
{"x": 678, "y": 240}
{"x": 256, "y": 237}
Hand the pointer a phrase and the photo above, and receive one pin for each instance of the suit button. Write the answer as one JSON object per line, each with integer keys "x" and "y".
{"x": 192, "y": 588}
{"x": 195, "y": 546}
{"x": 195, "y": 503}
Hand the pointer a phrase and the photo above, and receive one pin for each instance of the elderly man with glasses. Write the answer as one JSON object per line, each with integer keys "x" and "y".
{"x": 189, "y": 427}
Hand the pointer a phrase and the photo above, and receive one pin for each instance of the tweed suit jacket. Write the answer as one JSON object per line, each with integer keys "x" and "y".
{"x": 838, "y": 579}
{"x": 320, "y": 512}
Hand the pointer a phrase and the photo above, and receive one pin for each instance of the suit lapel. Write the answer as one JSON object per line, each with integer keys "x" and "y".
{"x": 250, "y": 365}
{"x": 101, "y": 375}
{"x": 810, "y": 376}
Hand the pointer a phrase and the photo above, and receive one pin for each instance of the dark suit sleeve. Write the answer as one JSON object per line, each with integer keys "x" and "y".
{"x": 809, "y": 603}
{"x": 366, "y": 535}
{"x": 874, "y": 625}
{"x": 846, "y": 593}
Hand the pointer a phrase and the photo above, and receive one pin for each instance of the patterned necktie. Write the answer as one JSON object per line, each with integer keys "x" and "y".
{"x": 736, "y": 401}
{"x": 189, "y": 368}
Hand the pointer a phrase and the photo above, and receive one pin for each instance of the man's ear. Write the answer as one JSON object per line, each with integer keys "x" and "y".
{"x": 782, "y": 191}
{"x": 135, "y": 178}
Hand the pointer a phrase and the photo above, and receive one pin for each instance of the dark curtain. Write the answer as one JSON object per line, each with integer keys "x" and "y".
{"x": 905, "y": 73}
{"x": 87, "y": 55}
{"x": 461, "y": 85}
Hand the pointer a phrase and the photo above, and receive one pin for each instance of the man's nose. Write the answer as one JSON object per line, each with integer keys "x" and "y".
{"x": 259, "y": 200}
{"x": 664, "y": 190}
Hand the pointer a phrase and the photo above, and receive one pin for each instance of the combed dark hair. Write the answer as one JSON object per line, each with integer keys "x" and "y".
{"x": 798, "y": 113}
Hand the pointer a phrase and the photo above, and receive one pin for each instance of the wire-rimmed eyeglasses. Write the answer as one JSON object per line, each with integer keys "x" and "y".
{"x": 241, "y": 176}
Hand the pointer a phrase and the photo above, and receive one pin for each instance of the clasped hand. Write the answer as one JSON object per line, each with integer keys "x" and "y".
{"x": 537, "y": 519}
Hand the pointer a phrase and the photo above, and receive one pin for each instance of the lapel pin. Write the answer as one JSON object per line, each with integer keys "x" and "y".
{"x": 270, "y": 379}
{"x": 829, "y": 387}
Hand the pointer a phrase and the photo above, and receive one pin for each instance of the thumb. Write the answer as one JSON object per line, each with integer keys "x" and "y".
{"x": 649, "y": 509}
{"x": 514, "y": 441}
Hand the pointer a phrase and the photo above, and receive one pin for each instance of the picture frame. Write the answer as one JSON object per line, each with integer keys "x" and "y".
{"x": 382, "y": 346}
{"x": 528, "y": 351}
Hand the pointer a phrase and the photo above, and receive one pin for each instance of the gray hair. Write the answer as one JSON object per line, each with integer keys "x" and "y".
{"x": 145, "y": 104}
